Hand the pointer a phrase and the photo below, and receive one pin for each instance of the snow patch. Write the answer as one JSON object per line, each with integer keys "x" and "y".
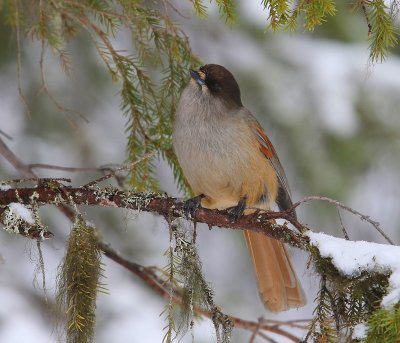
{"x": 360, "y": 331}
{"x": 22, "y": 211}
{"x": 4, "y": 187}
{"x": 352, "y": 258}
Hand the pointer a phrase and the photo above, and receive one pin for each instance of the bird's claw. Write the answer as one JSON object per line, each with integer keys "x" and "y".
{"x": 234, "y": 213}
{"x": 191, "y": 205}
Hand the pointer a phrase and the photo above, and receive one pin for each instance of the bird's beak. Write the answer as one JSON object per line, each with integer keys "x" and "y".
{"x": 198, "y": 77}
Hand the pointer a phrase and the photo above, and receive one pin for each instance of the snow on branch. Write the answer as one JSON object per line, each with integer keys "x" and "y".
{"x": 351, "y": 259}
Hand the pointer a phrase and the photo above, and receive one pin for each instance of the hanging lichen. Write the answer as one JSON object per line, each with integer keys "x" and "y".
{"x": 193, "y": 289}
{"x": 78, "y": 284}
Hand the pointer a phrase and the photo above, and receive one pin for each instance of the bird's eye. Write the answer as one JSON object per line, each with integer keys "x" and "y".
{"x": 214, "y": 86}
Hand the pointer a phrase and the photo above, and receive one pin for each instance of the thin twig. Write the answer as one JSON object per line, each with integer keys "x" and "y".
{"x": 364, "y": 8}
{"x": 61, "y": 108}
{"x": 266, "y": 338}
{"x": 28, "y": 173}
{"x": 19, "y": 63}
{"x": 118, "y": 170}
{"x": 68, "y": 169}
{"x": 375, "y": 224}
{"x": 42, "y": 270}
{"x": 291, "y": 323}
{"x": 15, "y": 161}
{"x": 6, "y": 135}
{"x": 255, "y": 332}
{"x": 346, "y": 236}
{"x": 175, "y": 9}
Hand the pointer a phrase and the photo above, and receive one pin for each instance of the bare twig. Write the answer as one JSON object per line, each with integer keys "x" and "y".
{"x": 42, "y": 270}
{"x": 266, "y": 338}
{"x": 346, "y": 236}
{"x": 255, "y": 332}
{"x": 45, "y": 89}
{"x": 27, "y": 172}
{"x": 15, "y": 161}
{"x": 364, "y": 8}
{"x": 118, "y": 170}
{"x": 175, "y": 9}
{"x": 298, "y": 323}
{"x": 19, "y": 63}
{"x": 375, "y": 224}
{"x": 70, "y": 169}
{"x": 6, "y": 135}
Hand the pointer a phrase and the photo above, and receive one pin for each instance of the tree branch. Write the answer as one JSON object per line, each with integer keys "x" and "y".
{"x": 170, "y": 208}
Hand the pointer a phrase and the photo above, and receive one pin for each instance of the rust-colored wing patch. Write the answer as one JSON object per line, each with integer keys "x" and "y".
{"x": 265, "y": 145}
{"x": 284, "y": 200}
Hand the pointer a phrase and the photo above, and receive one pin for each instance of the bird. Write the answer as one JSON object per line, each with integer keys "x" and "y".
{"x": 230, "y": 164}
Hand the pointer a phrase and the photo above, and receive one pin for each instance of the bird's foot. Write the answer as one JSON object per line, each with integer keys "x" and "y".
{"x": 237, "y": 211}
{"x": 191, "y": 205}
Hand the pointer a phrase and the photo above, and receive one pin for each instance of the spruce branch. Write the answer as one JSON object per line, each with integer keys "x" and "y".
{"x": 227, "y": 9}
{"x": 151, "y": 78}
{"x": 382, "y": 31}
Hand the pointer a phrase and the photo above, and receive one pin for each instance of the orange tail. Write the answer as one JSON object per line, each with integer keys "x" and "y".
{"x": 277, "y": 281}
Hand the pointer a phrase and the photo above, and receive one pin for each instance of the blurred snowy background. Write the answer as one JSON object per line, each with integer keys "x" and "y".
{"x": 333, "y": 118}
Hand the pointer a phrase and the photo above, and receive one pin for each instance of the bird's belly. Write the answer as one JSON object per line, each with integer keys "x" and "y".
{"x": 225, "y": 173}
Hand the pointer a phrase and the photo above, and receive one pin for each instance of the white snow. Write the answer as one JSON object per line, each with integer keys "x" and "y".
{"x": 25, "y": 213}
{"x": 4, "y": 187}
{"x": 360, "y": 331}
{"x": 353, "y": 257}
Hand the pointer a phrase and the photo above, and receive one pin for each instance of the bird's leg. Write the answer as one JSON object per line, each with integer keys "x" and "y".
{"x": 191, "y": 205}
{"x": 237, "y": 211}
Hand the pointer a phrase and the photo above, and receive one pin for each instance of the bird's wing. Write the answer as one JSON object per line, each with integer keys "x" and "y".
{"x": 284, "y": 197}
